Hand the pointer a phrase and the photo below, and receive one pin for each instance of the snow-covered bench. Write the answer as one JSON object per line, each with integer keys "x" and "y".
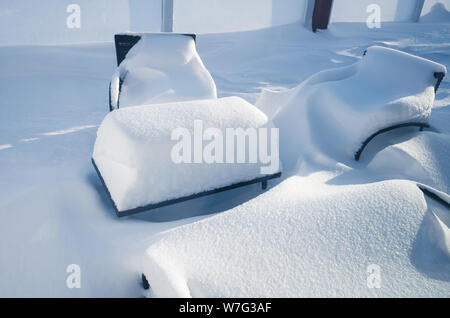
{"x": 339, "y": 111}
{"x": 160, "y": 154}
{"x": 157, "y": 68}
{"x": 335, "y": 112}
{"x": 163, "y": 74}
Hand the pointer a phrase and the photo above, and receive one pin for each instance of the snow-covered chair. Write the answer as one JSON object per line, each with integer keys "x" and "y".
{"x": 152, "y": 156}
{"x": 339, "y": 111}
{"x": 157, "y": 68}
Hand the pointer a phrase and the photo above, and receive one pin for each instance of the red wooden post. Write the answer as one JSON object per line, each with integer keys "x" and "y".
{"x": 321, "y": 14}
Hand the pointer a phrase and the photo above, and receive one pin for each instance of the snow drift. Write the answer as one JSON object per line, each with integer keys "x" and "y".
{"x": 338, "y": 109}
{"x": 161, "y": 68}
{"x": 424, "y": 158}
{"x": 437, "y": 13}
{"x": 303, "y": 239}
{"x": 134, "y": 150}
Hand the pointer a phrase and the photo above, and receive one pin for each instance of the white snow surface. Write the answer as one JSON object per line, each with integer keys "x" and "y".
{"x": 162, "y": 68}
{"x": 326, "y": 222}
{"x": 134, "y": 146}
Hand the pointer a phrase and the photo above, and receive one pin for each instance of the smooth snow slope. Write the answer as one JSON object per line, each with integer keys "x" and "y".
{"x": 303, "y": 239}
{"x": 55, "y": 212}
{"x": 423, "y": 158}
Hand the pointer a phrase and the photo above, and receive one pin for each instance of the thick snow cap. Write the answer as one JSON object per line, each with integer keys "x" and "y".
{"x": 138, "y": 149}
{"x": 162, "y": 68}
{"x": 338, "y": 109}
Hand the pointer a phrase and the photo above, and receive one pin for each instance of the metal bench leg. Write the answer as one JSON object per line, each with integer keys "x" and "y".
{"x": 145, "y": 283}
{"x": 264, "y": 184}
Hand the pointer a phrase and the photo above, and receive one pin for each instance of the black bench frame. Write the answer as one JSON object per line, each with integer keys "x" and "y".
{"x": 262, "y": 180}
{"x": 439, "y": 76}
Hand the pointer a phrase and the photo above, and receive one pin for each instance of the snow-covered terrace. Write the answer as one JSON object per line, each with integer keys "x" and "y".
{"x": 346, "y": 215}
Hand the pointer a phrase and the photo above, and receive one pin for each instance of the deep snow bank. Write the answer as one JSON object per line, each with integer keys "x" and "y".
{"x": 303, "y": 239}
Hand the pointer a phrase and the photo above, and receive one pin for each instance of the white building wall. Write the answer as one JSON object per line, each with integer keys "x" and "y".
{"x": 213, "y": 16}
{"x": 356, "y": 10}
{"x": 44, "y": 21}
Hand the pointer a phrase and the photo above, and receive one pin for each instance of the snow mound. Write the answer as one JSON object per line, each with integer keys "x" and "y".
{"x": 305, "y": 239}
{"x": 437, "y": 14}
{"x": 338, "y": 109}
{"x": 162, "y": 68}
{"x": 423, "y": 158}
{"x": 135, "y": 145}
{"x": 440, "y": 119}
